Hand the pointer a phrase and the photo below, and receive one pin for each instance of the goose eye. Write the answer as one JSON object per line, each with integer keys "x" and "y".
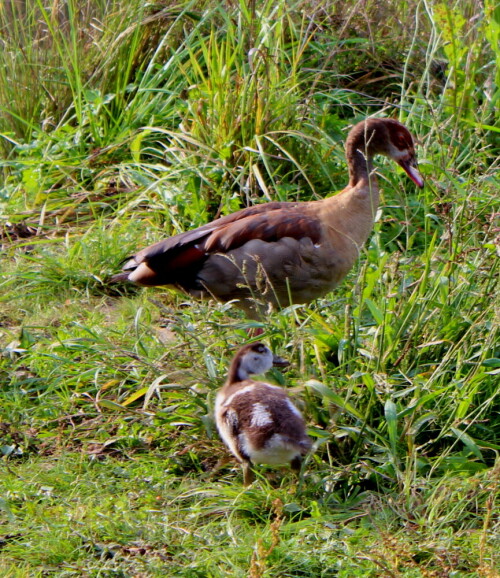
{"x": 401, "y": 141}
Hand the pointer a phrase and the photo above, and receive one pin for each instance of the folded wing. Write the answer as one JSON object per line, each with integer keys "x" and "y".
{"x": 176, "y": 260}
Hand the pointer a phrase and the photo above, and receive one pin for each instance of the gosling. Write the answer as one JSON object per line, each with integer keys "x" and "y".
{"x": 256, "y": 420}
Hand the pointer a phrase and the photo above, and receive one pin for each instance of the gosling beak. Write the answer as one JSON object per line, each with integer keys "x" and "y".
{"x": 410, "y": 167}
{"x": 280, "y": 361}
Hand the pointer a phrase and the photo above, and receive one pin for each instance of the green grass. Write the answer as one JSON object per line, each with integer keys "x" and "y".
{"x": 95, "y": 513}
{"x": 122, "y": 123}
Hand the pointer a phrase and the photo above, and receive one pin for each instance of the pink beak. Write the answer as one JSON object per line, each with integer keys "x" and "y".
{"x": 410, "y": 167}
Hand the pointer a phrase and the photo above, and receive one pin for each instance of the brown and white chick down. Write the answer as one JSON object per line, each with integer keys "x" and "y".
{"x": 280, "y": 253}
{"x": 257, "y": 421}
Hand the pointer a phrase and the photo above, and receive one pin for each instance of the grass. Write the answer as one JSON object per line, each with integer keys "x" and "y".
{"x": 85, "y": 514}
{"x": 145, "y": 121}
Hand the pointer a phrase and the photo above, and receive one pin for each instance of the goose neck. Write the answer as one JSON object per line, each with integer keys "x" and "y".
{"x": 361, "y": 172}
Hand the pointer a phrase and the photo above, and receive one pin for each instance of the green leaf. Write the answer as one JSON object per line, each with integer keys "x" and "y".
{"x": 331, "y": 396}
{"x": 108, "y": 404}
{"x": 375, "y": 311}
{"x": 135, "y": 145}
{"x": 469, "y": 443}
{"x": 491, "y": 362}
{"x": 135, "y": 396}
{"x": 421, "y": 421}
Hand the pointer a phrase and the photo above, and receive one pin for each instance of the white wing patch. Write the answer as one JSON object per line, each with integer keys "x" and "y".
{"x": 260, "y": 416}
{"x": 226, "y": 425}
{"x": 232, "y": 418}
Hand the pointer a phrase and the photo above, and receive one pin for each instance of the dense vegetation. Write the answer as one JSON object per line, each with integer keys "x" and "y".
{"x": 124, "y": 122}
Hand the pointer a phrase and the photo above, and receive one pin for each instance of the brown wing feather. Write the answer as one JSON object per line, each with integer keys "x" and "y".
{"x": 163, "y": 250}
{"x": 177, "y": 260}
{"x": 269, "y": 227}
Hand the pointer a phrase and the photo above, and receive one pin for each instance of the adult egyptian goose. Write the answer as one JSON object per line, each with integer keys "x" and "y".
{"x": 281, "y": 252}
{"x": 257, "y": 420}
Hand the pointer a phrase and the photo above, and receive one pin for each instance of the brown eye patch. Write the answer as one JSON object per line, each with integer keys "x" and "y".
{"x": 402, "y": 141}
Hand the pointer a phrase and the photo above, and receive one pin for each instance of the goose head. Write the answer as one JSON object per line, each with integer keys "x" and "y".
{"x": 388, "y": 137}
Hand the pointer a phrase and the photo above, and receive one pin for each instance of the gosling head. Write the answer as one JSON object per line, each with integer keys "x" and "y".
{"x": 253, "y": 359}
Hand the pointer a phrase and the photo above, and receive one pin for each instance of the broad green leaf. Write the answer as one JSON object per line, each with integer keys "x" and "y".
{"x": 421, "y": 421}
{"x": 491, "y": 362}
{"x": 135, "y": 396}
{"x": 135, "y": 145}
{"x": 468, "y": 442}
{"x": 375, "y": 311}
{"x": 108, "y": 404}
{"x": 333, "y": 397}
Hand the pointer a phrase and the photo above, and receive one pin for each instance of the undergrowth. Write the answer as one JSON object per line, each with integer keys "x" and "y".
{"x": 122, "y": 123}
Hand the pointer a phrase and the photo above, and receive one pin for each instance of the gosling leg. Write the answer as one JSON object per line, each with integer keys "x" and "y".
{"x": 296, "y": 464}
{"x": 248, "y": 475}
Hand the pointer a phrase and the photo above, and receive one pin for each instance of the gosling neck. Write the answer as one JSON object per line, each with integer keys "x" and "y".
{"x": 237, "y": 372}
